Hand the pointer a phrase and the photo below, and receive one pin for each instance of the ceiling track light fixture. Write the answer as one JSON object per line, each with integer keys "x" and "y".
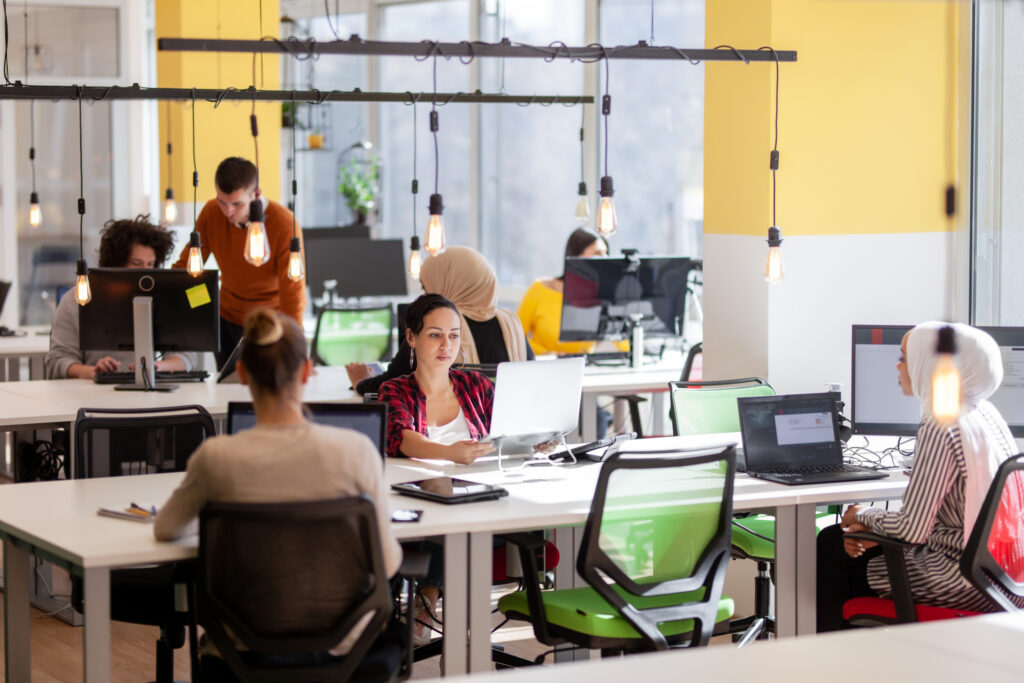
{"x": 170, "y": 212}
{"x": 415, "y": 257}
{"x": 195, "y": 247}
{"x": 296, "y": 268}
{"x": 83, "y": 293}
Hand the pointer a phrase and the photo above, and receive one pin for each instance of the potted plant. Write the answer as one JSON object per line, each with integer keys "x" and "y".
{"x": 359, "y": 186}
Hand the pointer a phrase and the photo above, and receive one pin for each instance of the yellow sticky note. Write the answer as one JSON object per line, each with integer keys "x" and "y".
{"x": 198, "y": 296}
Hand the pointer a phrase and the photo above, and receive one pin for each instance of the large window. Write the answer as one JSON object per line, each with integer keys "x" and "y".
{"x": 998, "y": 236}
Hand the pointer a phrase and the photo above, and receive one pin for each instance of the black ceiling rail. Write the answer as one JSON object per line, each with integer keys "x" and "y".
{"x": 20, "y": 91}
{"x": 467, "y": 49}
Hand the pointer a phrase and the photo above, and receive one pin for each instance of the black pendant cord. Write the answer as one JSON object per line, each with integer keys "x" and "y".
{"x": 81, "y": 184}
{"x": 583, "y": 122}
{"x": 31, "y": 112}
{"x": 195, "y": 166}
{"x": 433, "y": 129}
{"x": 252, "y": 124}
{"x": 606, "y": 109}
{"x": 652, "y": 22}
{"x": 170, "y": 171}
{"x": 295, "y": 184}
{"x": 774, "y": 157}
{"x": 7, "y": 41}
{"x": 415, "y": 180}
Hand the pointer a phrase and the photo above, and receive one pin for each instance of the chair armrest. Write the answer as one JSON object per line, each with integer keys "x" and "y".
{"x": 524, "y": 540}
{"x": 896, "y": 565}
{"x": 636, "y": 400}
{"x": 414, "y": 564}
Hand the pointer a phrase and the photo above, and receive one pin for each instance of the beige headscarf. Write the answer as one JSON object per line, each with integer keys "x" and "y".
{"x": 981, "y": 372}
{"x": 464, "y": 276}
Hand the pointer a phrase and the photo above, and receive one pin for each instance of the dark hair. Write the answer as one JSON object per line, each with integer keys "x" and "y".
{"x": 419, "y": 309}
{"x": 274, "y": 349}
{"x": 118, "y": 236}
{"x": 235, "y": 173}
{"x": 580, "y": 239}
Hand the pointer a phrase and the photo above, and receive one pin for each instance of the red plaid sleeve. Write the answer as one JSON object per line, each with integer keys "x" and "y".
{"x": 402, "y": 398}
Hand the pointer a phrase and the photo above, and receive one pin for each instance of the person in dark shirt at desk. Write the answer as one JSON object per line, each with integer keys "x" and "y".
{"x": 123, "y": 244}
{"x": 488, "y": 334}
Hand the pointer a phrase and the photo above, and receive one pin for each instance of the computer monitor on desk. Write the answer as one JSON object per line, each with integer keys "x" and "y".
{"x": 628, "y": 297}
{"x": 357, "y": 266}
{"x": 879, "y": 406}
{"x": 150, "y": 310}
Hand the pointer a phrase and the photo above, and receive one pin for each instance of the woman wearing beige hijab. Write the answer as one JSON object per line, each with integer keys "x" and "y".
{"x": 489, "y": 334}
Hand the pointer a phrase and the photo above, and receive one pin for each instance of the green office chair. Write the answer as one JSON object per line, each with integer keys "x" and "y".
{"x": 654, "y": 552}
{"x": 349, "y": 335}
{"x": 709, "y": 408}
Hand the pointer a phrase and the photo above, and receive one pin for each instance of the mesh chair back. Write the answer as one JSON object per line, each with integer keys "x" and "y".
{"x": 291, "y": 577}
{"x": 115, "y": 442}
{"x": 352, "y": 335}
{"x": 993, "y": 556}
{"x": 710, "y": 407}
{"x": 659, "y": 526}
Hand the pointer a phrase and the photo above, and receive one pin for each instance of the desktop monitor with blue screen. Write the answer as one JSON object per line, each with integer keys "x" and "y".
{"x": 879, "y": 406}
{"x": 366, "y": 418}
{"x": 604, "y": 296}
{"x": 170, "y": 309}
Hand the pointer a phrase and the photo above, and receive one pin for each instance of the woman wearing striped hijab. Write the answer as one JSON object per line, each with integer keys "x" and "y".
{"x": 954, "y": 464}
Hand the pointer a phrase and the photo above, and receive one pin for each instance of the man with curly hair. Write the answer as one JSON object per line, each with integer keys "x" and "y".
{"x": 221, "y": 226}
{"x": 123, "y": 244}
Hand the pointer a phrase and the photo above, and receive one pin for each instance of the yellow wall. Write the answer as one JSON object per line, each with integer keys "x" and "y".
{"x": 224, "y": 131}
{"x": 867, "y": 131}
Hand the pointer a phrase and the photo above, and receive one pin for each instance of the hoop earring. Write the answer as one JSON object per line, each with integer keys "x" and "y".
{"x": 462, "y": 353}
{"x": 412, "y": 356}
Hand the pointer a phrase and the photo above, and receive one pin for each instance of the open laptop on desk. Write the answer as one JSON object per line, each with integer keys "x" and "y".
{"x": 370, "y": 419}
{"x": 794, "y": 439}
{"x": 535, "y": 402}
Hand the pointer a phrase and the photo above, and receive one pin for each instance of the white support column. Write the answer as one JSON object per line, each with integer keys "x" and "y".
{"x": 17, "y": 637}
{"x": 96, "y": 639}
{"x": 481, "y": 550}
{"x": 456, "y": 564}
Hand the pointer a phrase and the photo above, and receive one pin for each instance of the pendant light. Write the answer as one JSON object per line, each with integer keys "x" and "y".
{"x": 435, "y": 226}
{"x": 83, "y": 293}
{"x": 415, "y": 257}
{"x": 607, "y": 221}
{"x": 170, "y": 212}
{"x": 296, "y": 269}
{"x": 774, "y": 269}
{"x": 195, "y": 248}
{"x": 946, "y": 379}
{"x": 582, "y": 213}
{"x": 257, "y": 244}
{"x": 35, "y": 214}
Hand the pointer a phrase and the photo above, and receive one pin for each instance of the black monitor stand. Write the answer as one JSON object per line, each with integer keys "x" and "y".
{"x": 145, "y": 363}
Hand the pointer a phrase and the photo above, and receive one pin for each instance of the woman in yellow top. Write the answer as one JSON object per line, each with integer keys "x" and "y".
{"x": 541, "y": 308}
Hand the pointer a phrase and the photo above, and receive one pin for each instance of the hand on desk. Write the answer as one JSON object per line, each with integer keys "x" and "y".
{"x": 357, "y": 372}
{"x": 80, "y": 371}
{"x": 466, "y": 451}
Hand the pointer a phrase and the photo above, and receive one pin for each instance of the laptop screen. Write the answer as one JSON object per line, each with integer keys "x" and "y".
{"x": 798, "y": 430}
{"x": 366, "y": 418}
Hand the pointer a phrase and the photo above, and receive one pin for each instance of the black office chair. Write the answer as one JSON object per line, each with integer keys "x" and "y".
{"x": 114, "y": 442}
{"x": 280, "y": 584}
{"x": 993, "y": 560}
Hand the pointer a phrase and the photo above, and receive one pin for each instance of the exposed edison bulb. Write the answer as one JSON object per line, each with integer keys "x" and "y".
{"x": 257, "y": 244}
{"x": 170, "y": 207}
{"x": 415, "y": 257}
{"x": 83, "y": 293}
{"x": 195, "y": 255}
{"x": 435, "y": 226}
{"x": 946, "y": 380}
{"x": 582, "y": 213}
{"x": 774, "y": 269}
{"x": 296, "y": 270}
{"x": 35, "y": 214}
{"x": 607, "y": 221}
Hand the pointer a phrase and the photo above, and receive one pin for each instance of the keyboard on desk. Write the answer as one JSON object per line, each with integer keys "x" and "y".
{"x": 165, "y": 376}
{"x": 818, "y": 474}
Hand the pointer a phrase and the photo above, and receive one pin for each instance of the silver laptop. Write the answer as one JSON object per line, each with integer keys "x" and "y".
{"x": 534, "y": 402}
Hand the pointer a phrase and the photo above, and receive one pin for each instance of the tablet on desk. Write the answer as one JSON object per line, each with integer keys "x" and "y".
{"x": 449, "y": 491}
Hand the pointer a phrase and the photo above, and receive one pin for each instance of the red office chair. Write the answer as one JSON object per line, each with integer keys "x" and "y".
{"x": 993, "y": 560}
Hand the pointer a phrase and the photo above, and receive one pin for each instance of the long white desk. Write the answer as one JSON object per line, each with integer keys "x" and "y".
{"x": 975, "y": 649}
{"x": 32, "y": 346}
{"x": 71, "y": 534}
{"x": 601, "y": 380}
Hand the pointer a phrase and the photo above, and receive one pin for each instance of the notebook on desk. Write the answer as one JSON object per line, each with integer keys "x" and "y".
{"x": 794, "y": 439}
{"x": 534, "y": 402}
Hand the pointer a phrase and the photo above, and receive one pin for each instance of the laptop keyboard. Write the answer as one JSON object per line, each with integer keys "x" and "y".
{"x": 161, "y": 376}
{"x": 817, "y": 469}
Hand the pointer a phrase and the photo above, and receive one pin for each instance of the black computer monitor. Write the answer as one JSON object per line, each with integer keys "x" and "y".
{"x": 366, "y": 418}
{"x": 185, "y": 311}
{"x": 878, "y": 403}
{"x": 362, "y": 267}
{"x": 603, "y": 295}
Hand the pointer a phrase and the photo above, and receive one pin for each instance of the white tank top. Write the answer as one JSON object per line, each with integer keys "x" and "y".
{"x": 456, "y": 430}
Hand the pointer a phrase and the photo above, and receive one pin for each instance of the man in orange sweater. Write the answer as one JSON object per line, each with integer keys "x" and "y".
{"x": 221, "y": 227}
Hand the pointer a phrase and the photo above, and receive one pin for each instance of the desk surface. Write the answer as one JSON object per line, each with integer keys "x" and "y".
{"x": 29, "y": 344}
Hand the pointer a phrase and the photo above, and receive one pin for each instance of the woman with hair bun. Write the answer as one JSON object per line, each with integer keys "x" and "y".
{"x": 285, "y": 457}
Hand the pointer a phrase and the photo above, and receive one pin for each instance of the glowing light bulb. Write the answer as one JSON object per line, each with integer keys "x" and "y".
{"x": 35, "y": 215}
{"x": 257, "y": 244}
{"x": 435, "y": 226}
{"x": 195, "y": 255}
{"x": 607, "y": 221}
{"x": 774, "y": 270}
{"x": 582, "y": 213}
{"x": 296, "y": 270}
{"x": 415, "y": 258}
{"x": 946, "y": 380}
{"x": 170, "y": 208}
{"x": 83, "y": 293}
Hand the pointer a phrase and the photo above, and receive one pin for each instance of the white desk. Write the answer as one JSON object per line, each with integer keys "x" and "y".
{"x": 652, "y": 379}
{"x": 974, "y": 649}
{"x": 32, "y": 346}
